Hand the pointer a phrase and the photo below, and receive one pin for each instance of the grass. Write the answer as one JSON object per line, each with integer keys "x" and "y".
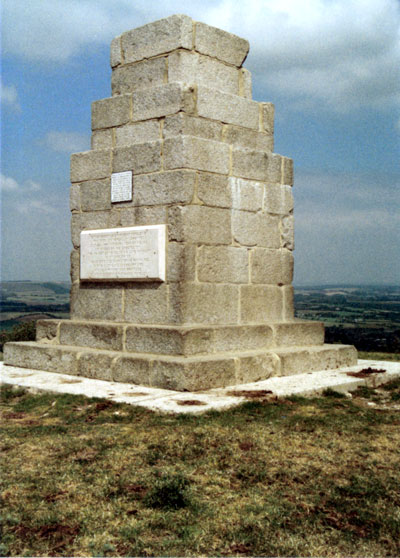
{"x": 290, "y": 477}
{"x": 379, "y": 356}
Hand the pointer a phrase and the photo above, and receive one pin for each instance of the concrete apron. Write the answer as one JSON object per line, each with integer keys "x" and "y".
{"x": 168, "y": 401}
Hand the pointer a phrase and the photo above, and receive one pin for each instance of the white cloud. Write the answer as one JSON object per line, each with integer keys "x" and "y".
{"x": 67, "y": 142}
{"x": 9, "y": 96}
{"x": 8, "y": 184}
{"x": 28, "y": 207}
{"x": 341, "y": 54}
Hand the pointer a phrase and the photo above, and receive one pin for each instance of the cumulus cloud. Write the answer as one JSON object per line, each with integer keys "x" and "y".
{"x": 9, "y": 96}
{"x": 67, "y": 142}
{"x": 8, "y": 184}
{"x": 341, "y": 54}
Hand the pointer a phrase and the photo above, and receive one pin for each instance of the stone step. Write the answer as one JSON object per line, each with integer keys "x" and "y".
{"x": 177, "y": 372}
{"x": 182, "y": 340}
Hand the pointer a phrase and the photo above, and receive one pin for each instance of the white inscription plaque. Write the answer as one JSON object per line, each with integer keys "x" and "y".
{"x": 124, "y": 254}
{"x": 121, "y": 186}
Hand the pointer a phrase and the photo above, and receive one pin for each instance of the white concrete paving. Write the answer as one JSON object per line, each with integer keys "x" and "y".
{"x": 168, "y": 401}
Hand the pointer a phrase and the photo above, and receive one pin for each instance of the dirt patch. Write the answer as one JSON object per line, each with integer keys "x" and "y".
{"x": 190, "y": 402}
{"x": 251, "y": 394}
{"x": 365, "y": 372}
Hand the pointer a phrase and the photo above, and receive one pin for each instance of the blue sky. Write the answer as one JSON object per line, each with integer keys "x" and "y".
{"x": 331, "y": 67}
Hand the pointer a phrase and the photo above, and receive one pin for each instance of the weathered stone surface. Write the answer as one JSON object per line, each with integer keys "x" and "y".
{"x": 227, "y": 108}
{"x": 142, "y": 75}
{"x": 298, "y": 333}
{"x": 271, "y": 267}
{"x": 196, "y": 373}
{"x": 287, "y": 172}
{"x": 47, "y": 331}
{"x": 214, "y": 190}
{"x": 187, "y": 224}
{"x": 97, "y": 302}
{"x": 132, "y": 370}
{"x": 257, "y": 165}
{"x": 95, "y": 195}
{"x": 87, "y": 221}
{"x": 203, "y": 303}
{"x": 165, "y": 188}
{"x": 255, "y": 229}
{"x": 146, "y": 303}
{"x": 157, "y": 37}
{"x": 250, "y": 139}
{"x": 184, "y": 124}
{"x": 110, "y": 112}
{"x": 243, "y": 338}
{"x": 246, "y": 194}
{"x": 96, "y": 364}
{"x": 260, "y": 303}
{"x": 133, "y": 216}
{"x": 288, "y": 302}
{"x": 181, "y": 262}
{"x": 254, "y": 368}
{"x": 90, "y": 165}
{"x": 268, "y": 114}
{"x": 287, "y": 235}
{"x": 220, "y": 44}
{"x": 245, "y": 85}
{"x": 322, "y": 357}
{"x": 139, "y": 158}
{"x": 191, "y": 67}
{"x": 115, "y": 52}
{"x": 75, "y": 197}
{"x": 41, "y": 356}
{"x": 137, "y": 132}
{"x": 163, "y": 100}
{"x": 278, "y": 199}
{"x": 196, "y": 153}
{"x": 75, "y": 265}
{"x": 102, "y": 139}
{"x": 94, "y": 335}
{"x": 222, "y": 264}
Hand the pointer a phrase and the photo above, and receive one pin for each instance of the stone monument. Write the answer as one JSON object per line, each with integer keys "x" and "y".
{"x": 182, "y": 227}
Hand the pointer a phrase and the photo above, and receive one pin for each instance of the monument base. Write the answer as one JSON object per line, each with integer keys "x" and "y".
{"x": 183, "y": 358}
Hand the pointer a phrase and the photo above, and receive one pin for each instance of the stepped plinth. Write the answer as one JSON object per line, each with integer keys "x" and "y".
{"x": 182, "y": 227}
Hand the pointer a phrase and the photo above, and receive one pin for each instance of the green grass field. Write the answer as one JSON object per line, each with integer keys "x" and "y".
{"x": 291, "y": 477}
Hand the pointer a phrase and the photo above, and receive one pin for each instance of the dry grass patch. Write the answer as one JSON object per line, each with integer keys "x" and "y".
{"x": 315, "y": 477}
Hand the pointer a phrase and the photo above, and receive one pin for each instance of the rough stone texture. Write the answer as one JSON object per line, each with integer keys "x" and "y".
{"x": 115, "y": 52}
{"x": 190, "y": 67}
{"x": 214, "y": 190}
{"x": 260, "y": 303}
{"x": 268, "y": 114}
{"x": 87, "y": 221}
{"x": 181, "y": 262}
{"x": 96, "y": 336}
{"x": 47, "y": 331}
{"x": 245, "y": 85}
{"x": 75, "y": 197}
{"x": 257, "y": 165}
{"x": 226, "y": 108}
{"x": 96, "y": 364}
{"x": 196, "y": 153}
{"x": 135, "y": 216}
{"x": 222, "y": 264}
{"x": 147, "y": 303}
{"x": 244, "y": 137}
{"x": 288, "y": 302}
{"x": 209, "y": 303}
{"x": 324, "y": 357}
{"x": 246, "y": 194}
{"x": 90, "y": 165}
{"x": 75, "y": 265}
{"x": 94, "y": 301}
{"x": 255, "y": 229}
{"x": 41, "y": 356}
{"x": 298, "y": 333}
{"x": 164, "y": 188}
{"x": 278, "y": 199}
{"x": 129, "y": 78}
{"x": 95, "y": 195}
{"x": 139, "y": 158}
{"x": 243, "y": 338}
{"x": 163, "y": 100}
{"x": 288, "y": 232}
{"x": 102, "y": 139}
{"x": 132, "y": 370}
{"x": 110, "y": 112}
{"x": 224, "y": 46}
{"x": 271, "y": 267}
{"x": 287, "y": 173}
{"x": 138, "y": 132}
{"x": 186, "y": 224}
{"x": 183, "y": 124}
{"x": 157, "y": 37}
{"x": 253, "y": 368}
